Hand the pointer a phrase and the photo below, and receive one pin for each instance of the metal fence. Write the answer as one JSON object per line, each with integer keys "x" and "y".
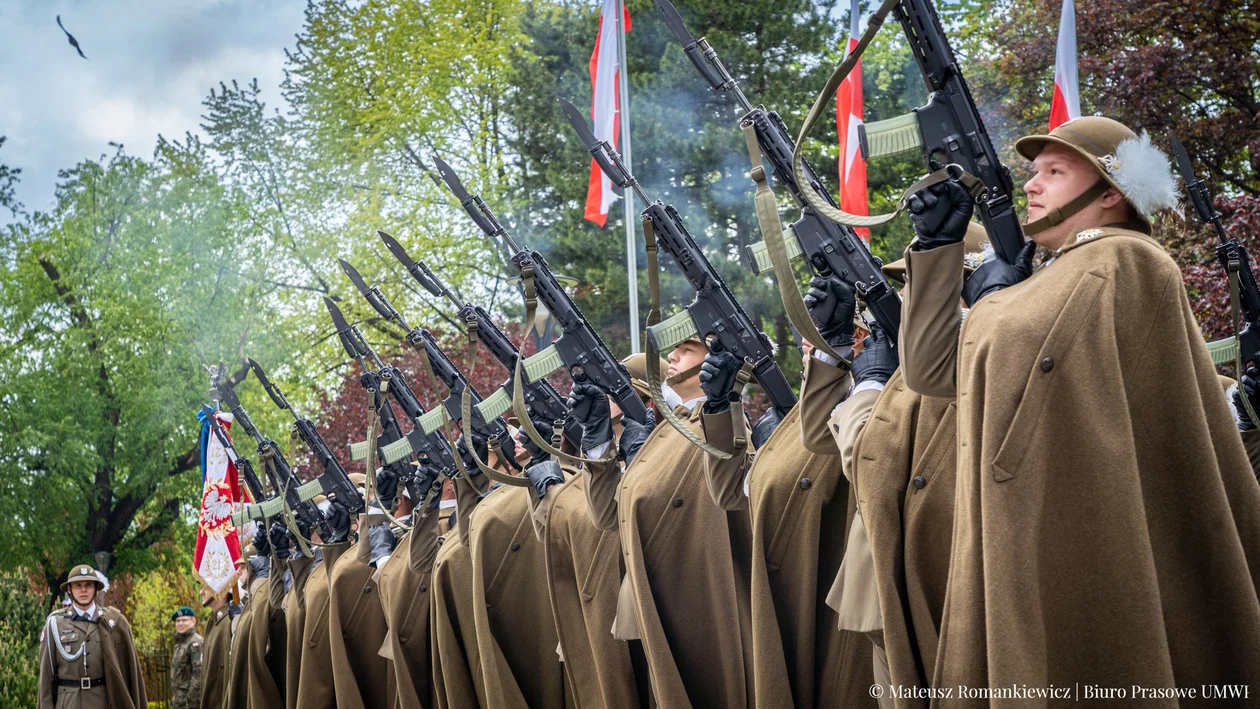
{"x": 156, "y": 668}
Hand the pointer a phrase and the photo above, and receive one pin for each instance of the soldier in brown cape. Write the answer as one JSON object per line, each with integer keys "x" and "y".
{"x": 214, "y": 678}
{"x": 257, "y": 571}
{"x": 266, "y": 645}
{"x": 687, "y": 577}
{"x": 300, "y": 567}
{"x": 315, "y": 680}
{"x": 87, "y": 657}
{"x": 1108, "y": 521}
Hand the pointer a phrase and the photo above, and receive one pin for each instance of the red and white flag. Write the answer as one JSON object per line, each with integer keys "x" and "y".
{"x": 848, "y": 118}
{"x": 218, "y": 545}
{"x": 605, "y": 70}
{"x": 1066, "y": 102}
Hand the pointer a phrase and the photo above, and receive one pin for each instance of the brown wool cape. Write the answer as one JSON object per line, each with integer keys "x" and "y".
{"x": 583, "y": 576}
{"x": 294, "y": 607}
{"x": 798, "y": 502}
{"x": 1108, "y": 521}
{"x": 686, "y": 566}
{"x": 356, "y": 629}
{"x": 511, "y": 609}
{"x": 124, "y": 681}
{"x": 238, "y": 661}
{"x": 456, "y": 659}
{"x": 266, "y": 642}
{"x": 404, "y": 583}
{"x": 315, "y": 681}
{"x": 214, "y": 669}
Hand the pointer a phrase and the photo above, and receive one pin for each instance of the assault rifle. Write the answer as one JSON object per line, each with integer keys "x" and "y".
{"x": 1232, "y": 256}
{"x": 714, "y": 313}
{"x": 490, "y": 428}
{"x": 335, "y": 481}
{"x": 541, "y": 399}
{"x": 391, "y": 433}
{"x": 828, "y": 247}
{"x": 297, "y": 495}
{"x": 578, "y": 348}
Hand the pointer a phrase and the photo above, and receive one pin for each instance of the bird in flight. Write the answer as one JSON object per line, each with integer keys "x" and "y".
{"x": 73, "y": 42}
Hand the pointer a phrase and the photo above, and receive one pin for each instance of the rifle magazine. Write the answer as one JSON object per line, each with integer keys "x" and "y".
{"x": 543, "y": 363}
{"x": 759, "y": 254}
{"x": 396, "y": 451}
{"x": 667, "y": 334}
{"x": 309, "y": 490}
{"x": 359, "y": 451}
{"x": 495, "y": 405}
{"x": 890, "y": 137}
{"x": 433, "y": 420}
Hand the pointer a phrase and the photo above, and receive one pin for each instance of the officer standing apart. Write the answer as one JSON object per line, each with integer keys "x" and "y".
{"x": 87, "y": 658}
{"x": 186, "y": 661}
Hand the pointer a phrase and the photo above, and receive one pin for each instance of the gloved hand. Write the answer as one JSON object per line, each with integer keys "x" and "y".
{"x": 479, "y": 445}
{"x": 831, "y": 304}
{"x": 543, "y": 426}
{"x": 381, "y": 541}
{"x": 717, "y": 379}
{"x": 633, "y": 436}
{"x": 995, "y": 274}
{"x": 1250, "y": 386}
{"x": 338, "y": 516}
{"x": 764, "y": 427}
{"x": 589, "y": 405}
{"x": 543, "y": 475}
{"x": 262, "y": 543}
{"x": 261, "y": 566}
{"x": 940, "y": 214}
{"x": 878, "y": 359}
{"x": 508, "y": 447}
{"x": 281, "y": 546}
{"x": 234, "y": 609}
{"x": 422, "y": 480}
{"x": 387, "y": 487}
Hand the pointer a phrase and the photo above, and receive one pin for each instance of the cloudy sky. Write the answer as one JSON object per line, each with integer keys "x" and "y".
{"x": 150, "y": 63}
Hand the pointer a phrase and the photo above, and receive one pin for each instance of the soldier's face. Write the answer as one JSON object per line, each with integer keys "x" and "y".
{"x": 1060, "y": 175}
{"x": 184, "y": 623}
{"x": 83, "y": 593}
{"x": 687, "y": 355}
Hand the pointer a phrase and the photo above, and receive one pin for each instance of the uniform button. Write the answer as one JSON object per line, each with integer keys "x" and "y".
{"x": 424, "y": 587}
{"x": 805, "y": 483}
{"x": 677, "y": 502}
{"x": 1047, "y": 364}
{"x": 367, "y": 589}
{"x": 919, "y": 481}
{"x": 516, "y": 546}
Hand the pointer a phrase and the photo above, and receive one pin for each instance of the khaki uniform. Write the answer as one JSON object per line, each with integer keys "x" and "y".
{"x": 214, "y": 666}
{"x": 301, "y": 568}
{"x": 265, "y": 645}
{"x": 108, "y": 654}
{"x": 404, "y": 584}
{"x": 687, "y": 576}
{"x": 457, "y": 680}
{"x": 511, "y": 607}
{"x": 1107, "y": 528}
{"x": 800, "y": 505}
{"x": 186, "y": 664}
{"x": 583, "y": 577}
{"x": 238, "y": 656}
{"x": 315, "y": 683}
{"x": 356, "y": 629}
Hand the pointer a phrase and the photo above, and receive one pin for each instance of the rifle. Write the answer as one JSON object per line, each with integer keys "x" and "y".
{"x": 714, "y": 314}
{"x": 541, "y": 399}
{"x": 578, "y": 348}
{"x": 1233, "y": 258}
{"x": 297, "y": 496}
{"x": 828, "y": 247}
{"x": 391, "y": 436}
{"x": 335, "y": 481}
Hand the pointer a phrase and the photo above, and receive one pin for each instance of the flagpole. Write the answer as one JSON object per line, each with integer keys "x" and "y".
{"x": 623, "y": 91}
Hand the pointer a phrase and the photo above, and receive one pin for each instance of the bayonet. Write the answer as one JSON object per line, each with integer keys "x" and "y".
{"x": 701, "y": 54}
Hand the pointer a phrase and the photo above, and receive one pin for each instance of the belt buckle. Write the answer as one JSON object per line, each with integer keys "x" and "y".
{"x": 85, "y": 683}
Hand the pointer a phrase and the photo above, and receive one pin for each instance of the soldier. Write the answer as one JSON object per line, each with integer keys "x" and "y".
{"x": 294, "y": 609}
{"x": 214, "y": 658}
{"x": 257, "y": 572}
{"x": 315, "y": 679}
{"x": 186, "y": 661}
{"x": 266, "y": 642}
{"x": 1104, "y": 496}
{"x": 87, "y": 658}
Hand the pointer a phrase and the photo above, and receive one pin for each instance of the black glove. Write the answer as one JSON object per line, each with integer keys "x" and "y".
{"x": 543, "y": 426}
{"x": 261, "y": 566}
{"x": 479, "y": 445}
{"x": 633, "y": 436}
{"x": 995, "y": 274}
{"x": 422, "y": 480}
{"x": 543, "y": 475}
{"x": 262, "y": 543}
{"x": 878, "y": 359}
{"x": 338, "y": 516}
{"x": 234, "y": 609}
{"x": 717, "y": 379}
{"x": 381, "y": 541}
{"x": 1249, "y": 386}
{"x": 764, "y": 427}
{"x": 831, "y": 304}
{"x": 387, "y": 487}
{"x": 940, "y": 214}
{"x": 589, "y": 405}
{"x": 281, "y": 546}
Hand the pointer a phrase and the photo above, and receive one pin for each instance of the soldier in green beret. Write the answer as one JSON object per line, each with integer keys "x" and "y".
{"x": 186, "y": 661}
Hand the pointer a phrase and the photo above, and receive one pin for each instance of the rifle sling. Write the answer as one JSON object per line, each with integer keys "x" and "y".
{"x": 1233, "y": 267}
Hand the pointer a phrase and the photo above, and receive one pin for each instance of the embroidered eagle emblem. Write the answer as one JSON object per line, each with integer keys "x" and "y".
{"x": 1088, "y": 234}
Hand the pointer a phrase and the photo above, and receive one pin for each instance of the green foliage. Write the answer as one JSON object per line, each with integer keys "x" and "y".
{"x": 154, "y": 596}
{"x": 21, "y": 620}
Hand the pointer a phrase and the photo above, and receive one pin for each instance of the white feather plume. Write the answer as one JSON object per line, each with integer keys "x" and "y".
{"x": 1144, "y": 174}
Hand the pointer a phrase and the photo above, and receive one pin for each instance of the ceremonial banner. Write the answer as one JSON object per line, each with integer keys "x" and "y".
{"x": 604, "y": 67}
{"x": 849, "y": 112}
{"x": 1065, "y": 104}
{"x": 218, "y": 546}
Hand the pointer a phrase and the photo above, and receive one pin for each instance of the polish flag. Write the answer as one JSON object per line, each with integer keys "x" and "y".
{"x": 1066, "y": 103}
{"x": 604, "y": 107}
{"x": 848, "y": 118}
{"x": 218, "y": 545}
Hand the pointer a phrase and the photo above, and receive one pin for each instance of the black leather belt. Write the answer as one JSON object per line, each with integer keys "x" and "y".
{"x": 84, "y": 683}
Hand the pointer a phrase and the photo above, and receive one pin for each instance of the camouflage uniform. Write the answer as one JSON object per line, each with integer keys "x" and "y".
{"x": 186, "y": 671}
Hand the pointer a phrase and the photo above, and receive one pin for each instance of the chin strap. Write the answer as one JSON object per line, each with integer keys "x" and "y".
{"x": 1059, "y": 215}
